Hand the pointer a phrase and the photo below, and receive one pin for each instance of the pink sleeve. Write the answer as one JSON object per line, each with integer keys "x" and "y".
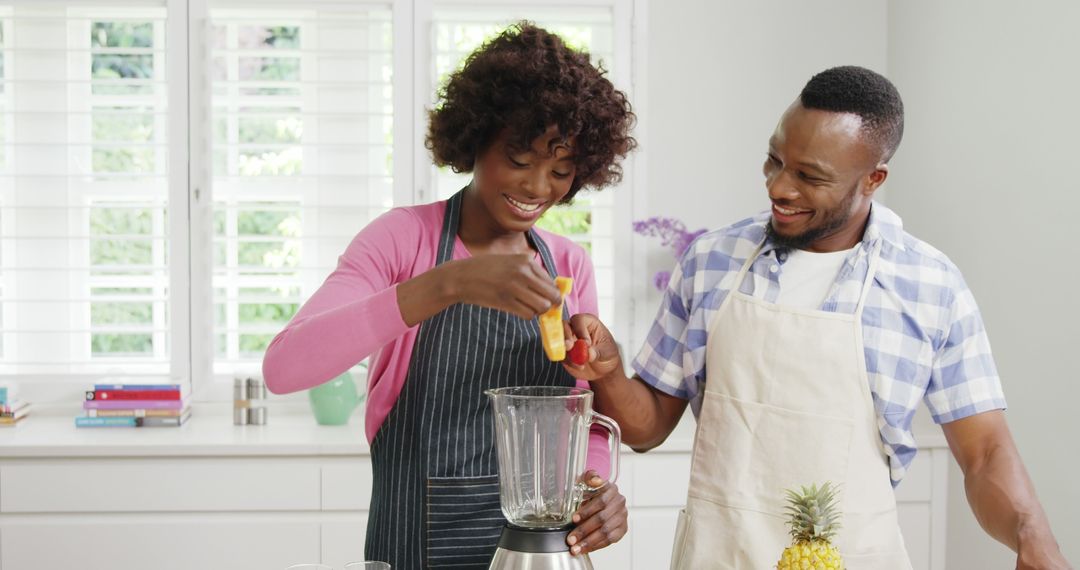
{"x": 584, "y": 291}
{"x": 353, "y": 314}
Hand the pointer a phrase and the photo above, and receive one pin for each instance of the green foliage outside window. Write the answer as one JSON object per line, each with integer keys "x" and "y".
{"x": 270, "y": 130}
{"x": 266, "y": 235}
{"x": 565, "y": 221}
{"x": 265, "y": 313}
{"x": 123, "y": 160}
{"x": 282, "y": 253}
{"x": 121, "y": 313}
{"x": 254, "y": 345}
{"x": 115, "y": 344}
{"x": 122, "y": 65}
{"x": 122, "y": 236}
{"x": 122, "y": 34}
{"x": 569, "y": 223}
{"x": 123, "y": 124}
{"x": 120, "y": 252}
{"x": 111, "y": 126}
{"x": 106, "y": 221}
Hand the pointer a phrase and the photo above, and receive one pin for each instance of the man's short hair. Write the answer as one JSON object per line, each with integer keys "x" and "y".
{"x": 857, "y": 90}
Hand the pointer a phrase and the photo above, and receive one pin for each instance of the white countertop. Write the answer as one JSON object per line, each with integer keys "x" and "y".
{"x": 209, "y": 432}
{"x": 289, "y": 431}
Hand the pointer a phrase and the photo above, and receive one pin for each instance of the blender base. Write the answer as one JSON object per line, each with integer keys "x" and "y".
{"x": 536, "y": 549}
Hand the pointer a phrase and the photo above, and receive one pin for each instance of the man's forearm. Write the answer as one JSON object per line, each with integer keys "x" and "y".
{"x": 644, "y": 420}
{"x": 1004, "y": 502}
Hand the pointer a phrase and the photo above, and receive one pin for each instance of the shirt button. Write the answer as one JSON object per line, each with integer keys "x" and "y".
{"x": 774, "y": 268}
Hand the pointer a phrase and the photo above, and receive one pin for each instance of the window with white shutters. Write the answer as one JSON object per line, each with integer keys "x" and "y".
{"x": 83, "y": 190}
{"x": 302, "y": 138}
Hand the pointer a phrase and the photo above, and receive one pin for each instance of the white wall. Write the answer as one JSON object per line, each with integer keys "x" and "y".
{"x": 720, "y": 75}
{"x": 987, "y": 173}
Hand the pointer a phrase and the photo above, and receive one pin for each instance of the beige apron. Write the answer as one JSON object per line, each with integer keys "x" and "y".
{"x": 787, "y": 403}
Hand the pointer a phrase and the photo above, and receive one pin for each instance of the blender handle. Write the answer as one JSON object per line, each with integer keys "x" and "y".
{"x": 614, "y": 442}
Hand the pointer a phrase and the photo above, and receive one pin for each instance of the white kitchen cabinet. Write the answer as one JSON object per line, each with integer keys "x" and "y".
{"x": 206, "y": 495}
{"x": 343, "y": 540}
{"x": 210, "y": 495}
{"x": 173, "y": 542}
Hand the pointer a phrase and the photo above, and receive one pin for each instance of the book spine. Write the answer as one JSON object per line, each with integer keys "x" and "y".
{"x": 16, "y": 414}
{"x": 83, "y": 421}
{"x": 132, "y": 413}
{"x": 133, "y": 395}
{"x": 133, "y": 404}
{"x": 13, "y": 407}
{"x": 160, "y": 422}
{"x": 172, "y": 387}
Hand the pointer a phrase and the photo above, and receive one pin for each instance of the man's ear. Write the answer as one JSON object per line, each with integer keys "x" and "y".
{"x": 876, "y": 178}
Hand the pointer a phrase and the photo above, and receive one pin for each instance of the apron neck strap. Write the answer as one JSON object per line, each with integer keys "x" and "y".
{"x": 451, "y": 222}
{"x": 871, "y": 269}
{"x": 746, "y": 266}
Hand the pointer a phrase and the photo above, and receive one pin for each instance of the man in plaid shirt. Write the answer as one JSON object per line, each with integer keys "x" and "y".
{"x": 804, "y": 339}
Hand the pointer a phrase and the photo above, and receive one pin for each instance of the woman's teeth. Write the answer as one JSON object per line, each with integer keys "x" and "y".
{"x": 522, "y": 205}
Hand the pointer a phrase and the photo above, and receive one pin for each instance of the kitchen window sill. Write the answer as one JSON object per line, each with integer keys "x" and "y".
{"x": 290, "y": 431}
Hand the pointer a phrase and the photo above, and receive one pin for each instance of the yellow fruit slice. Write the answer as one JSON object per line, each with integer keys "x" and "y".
{"x": 551, "y": 324}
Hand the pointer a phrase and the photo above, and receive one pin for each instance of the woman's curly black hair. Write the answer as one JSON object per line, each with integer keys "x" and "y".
{"x": 525, "y": 80}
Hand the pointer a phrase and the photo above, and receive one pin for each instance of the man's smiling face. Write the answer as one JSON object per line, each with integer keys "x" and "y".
{"x": 821, "y": 174}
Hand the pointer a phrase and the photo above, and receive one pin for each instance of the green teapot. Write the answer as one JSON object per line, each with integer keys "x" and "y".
{"x": 333, "y": 402}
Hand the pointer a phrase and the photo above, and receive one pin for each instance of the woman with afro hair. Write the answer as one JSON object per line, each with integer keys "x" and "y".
{"x": 444, "y": 297}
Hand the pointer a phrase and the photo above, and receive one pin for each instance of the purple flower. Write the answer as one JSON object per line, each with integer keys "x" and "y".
{"x": 661, "y": 280}
{"x": 672, "y": 234}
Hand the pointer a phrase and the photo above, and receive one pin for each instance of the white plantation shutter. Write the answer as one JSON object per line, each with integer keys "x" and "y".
{"x": 302, "y": 138}
{"x": 457, "y": 31}
{"x": 84, "y": 193}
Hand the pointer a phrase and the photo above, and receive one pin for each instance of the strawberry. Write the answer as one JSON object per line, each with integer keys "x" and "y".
{"x": 579, "y": 353}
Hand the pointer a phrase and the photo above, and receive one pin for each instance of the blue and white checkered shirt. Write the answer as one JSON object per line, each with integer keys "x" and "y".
{"x": 923, "y": 334}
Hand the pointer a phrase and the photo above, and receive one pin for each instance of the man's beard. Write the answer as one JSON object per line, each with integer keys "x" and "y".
{"x": 834, "y": 220}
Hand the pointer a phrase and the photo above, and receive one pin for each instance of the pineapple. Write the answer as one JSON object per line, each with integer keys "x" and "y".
{"x": 551, "y": 324}
{"x": 812, "y": 515}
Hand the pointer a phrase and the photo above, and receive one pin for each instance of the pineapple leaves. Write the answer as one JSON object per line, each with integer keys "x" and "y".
{"x": 812, "y": 512}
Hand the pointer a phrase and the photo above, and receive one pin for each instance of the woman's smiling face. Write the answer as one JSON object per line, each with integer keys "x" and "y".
{"x": 518, "y": 185}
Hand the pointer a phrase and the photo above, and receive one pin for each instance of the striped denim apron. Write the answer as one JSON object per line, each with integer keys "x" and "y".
{"x": 435, "y": 498}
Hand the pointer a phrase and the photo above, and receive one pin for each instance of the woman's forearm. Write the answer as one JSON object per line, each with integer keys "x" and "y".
{"x": 427, "y": 294}
{"x": 316, "y": 347}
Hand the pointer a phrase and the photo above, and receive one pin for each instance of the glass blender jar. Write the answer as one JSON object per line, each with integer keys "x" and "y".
{"x": 542, "y": 436}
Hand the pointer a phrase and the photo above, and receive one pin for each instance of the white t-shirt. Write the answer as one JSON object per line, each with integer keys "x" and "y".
{"x": 806, "y": 277}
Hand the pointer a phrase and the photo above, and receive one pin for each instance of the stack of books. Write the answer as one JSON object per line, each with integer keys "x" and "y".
{"x": 135, "y": 405}
{"x": 12, "y": 409}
